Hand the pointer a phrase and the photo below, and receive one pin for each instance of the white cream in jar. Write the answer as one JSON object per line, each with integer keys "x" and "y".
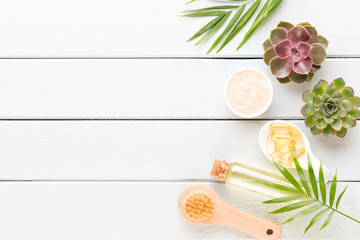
{"x": 248, "y": 93}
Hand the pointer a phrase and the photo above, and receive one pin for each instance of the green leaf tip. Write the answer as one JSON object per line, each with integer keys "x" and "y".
{"x": 303, "y": 213}
{"x": 322, "y": 183}
{"x": 333, "y": 190}
{"x": 191, "y": 1}
{"x": 339, "y": 197}
{"x": 213, "y": 30}
{"x": 293, "y": 206}
{"x": 224, "y": 7}
{"x": 328, "y": 219}
{"x": 286, "y": 199}
{"x": 316, "y": 218}
{"x": 312, "y": 178}
{"x": 205, "y": 28}
{"x": 204, "y": 14}
{"x": 281, "y": 187}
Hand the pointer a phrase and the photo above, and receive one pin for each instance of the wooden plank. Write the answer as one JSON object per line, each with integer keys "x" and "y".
{"x": 93, "y": 211}
{"x": 142, "y": 88}
{"x": 111, "y": 28}
{"x": 147, "y": 150}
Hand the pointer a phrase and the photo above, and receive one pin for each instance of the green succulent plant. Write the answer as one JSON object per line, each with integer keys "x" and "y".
{"x": 330, "y": 108}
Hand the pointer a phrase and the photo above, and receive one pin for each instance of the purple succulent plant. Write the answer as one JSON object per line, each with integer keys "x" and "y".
{"x": 294, "y": 53}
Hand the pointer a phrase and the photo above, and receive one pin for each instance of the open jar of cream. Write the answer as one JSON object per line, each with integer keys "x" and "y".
{"x": 248, "y": 93}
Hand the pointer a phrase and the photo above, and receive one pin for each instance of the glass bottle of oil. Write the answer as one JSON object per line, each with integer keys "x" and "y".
{"x": 249, "y": 178}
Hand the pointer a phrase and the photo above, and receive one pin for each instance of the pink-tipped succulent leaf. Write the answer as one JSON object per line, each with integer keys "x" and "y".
{"x": 298, "y": 34}
{"x": 294, "y": 53}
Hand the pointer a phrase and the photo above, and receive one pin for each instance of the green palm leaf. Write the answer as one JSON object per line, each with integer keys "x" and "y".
{"x": 286, "y": 199}
{"x": 231, "y": 0}
{"x": 205, "y": 28}
{"x": 333, "y": 190}
{"x": 210, "y": 8}
{"x": 268, "y": 8}
{"x": 204, "y": 14}
{"x": 236, "y": 24}
{"x": 213, "y": 30}
{"x": 307, "y": 195}
{"x": 316, "y": 218}
{"x": 281, "y": 187}
{"x": 288, "y": 176}
{"x": 228, "y": 28}
{"x": 339, "y": 197}
{"x": 303, "y": 213}
{"x": 301, "y": 175}
{"x": 312, "y": 178}
{"x": 322, "y": 183}
{"x": 293, "y": 206}
{"x": 328, "y": 219}
{"x": 241, "y": 23}
{"x": 191, "y": 1}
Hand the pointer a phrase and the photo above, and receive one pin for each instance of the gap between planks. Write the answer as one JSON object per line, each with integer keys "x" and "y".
{"x": 137, "y": 181}
{"x": 148, "y": 119}
{"x": 159, "y": 57}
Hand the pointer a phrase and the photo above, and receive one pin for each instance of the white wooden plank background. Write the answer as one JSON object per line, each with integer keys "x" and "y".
{"x": 117, "y": 210}
{"x": 147, "y": 150}
{"x": 76, "y": 174}
{"x": 143, "y": 88}
{"x": 127, "y": 28}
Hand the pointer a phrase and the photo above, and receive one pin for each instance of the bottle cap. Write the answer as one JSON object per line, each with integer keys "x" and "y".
{"x": 219, "y": 168}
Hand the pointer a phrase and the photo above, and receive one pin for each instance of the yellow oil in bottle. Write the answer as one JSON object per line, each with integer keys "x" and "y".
{"x": 283, "y": 141}
{"x": 252, "y": 179}
{"x": 249, "y": 178}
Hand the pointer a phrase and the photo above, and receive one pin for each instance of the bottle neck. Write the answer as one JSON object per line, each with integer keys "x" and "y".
{"x": 219, "y": 169}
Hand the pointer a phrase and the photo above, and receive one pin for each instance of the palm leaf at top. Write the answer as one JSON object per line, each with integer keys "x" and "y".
{"x": 222, "y": 12}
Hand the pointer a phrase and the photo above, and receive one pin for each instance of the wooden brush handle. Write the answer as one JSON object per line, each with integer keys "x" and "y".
{"x": 251, "y": 225}
{"x": 226, "y": 215}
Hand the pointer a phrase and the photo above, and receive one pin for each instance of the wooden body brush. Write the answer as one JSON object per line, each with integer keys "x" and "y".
{"x": 201, "y": 205}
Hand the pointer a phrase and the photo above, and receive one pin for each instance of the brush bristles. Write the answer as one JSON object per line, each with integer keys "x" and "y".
{"x": 198, "y": 206}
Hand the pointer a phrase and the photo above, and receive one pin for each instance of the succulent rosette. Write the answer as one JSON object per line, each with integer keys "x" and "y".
{"x": 330, "y": 108}
{"x": 294, "y": 53}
